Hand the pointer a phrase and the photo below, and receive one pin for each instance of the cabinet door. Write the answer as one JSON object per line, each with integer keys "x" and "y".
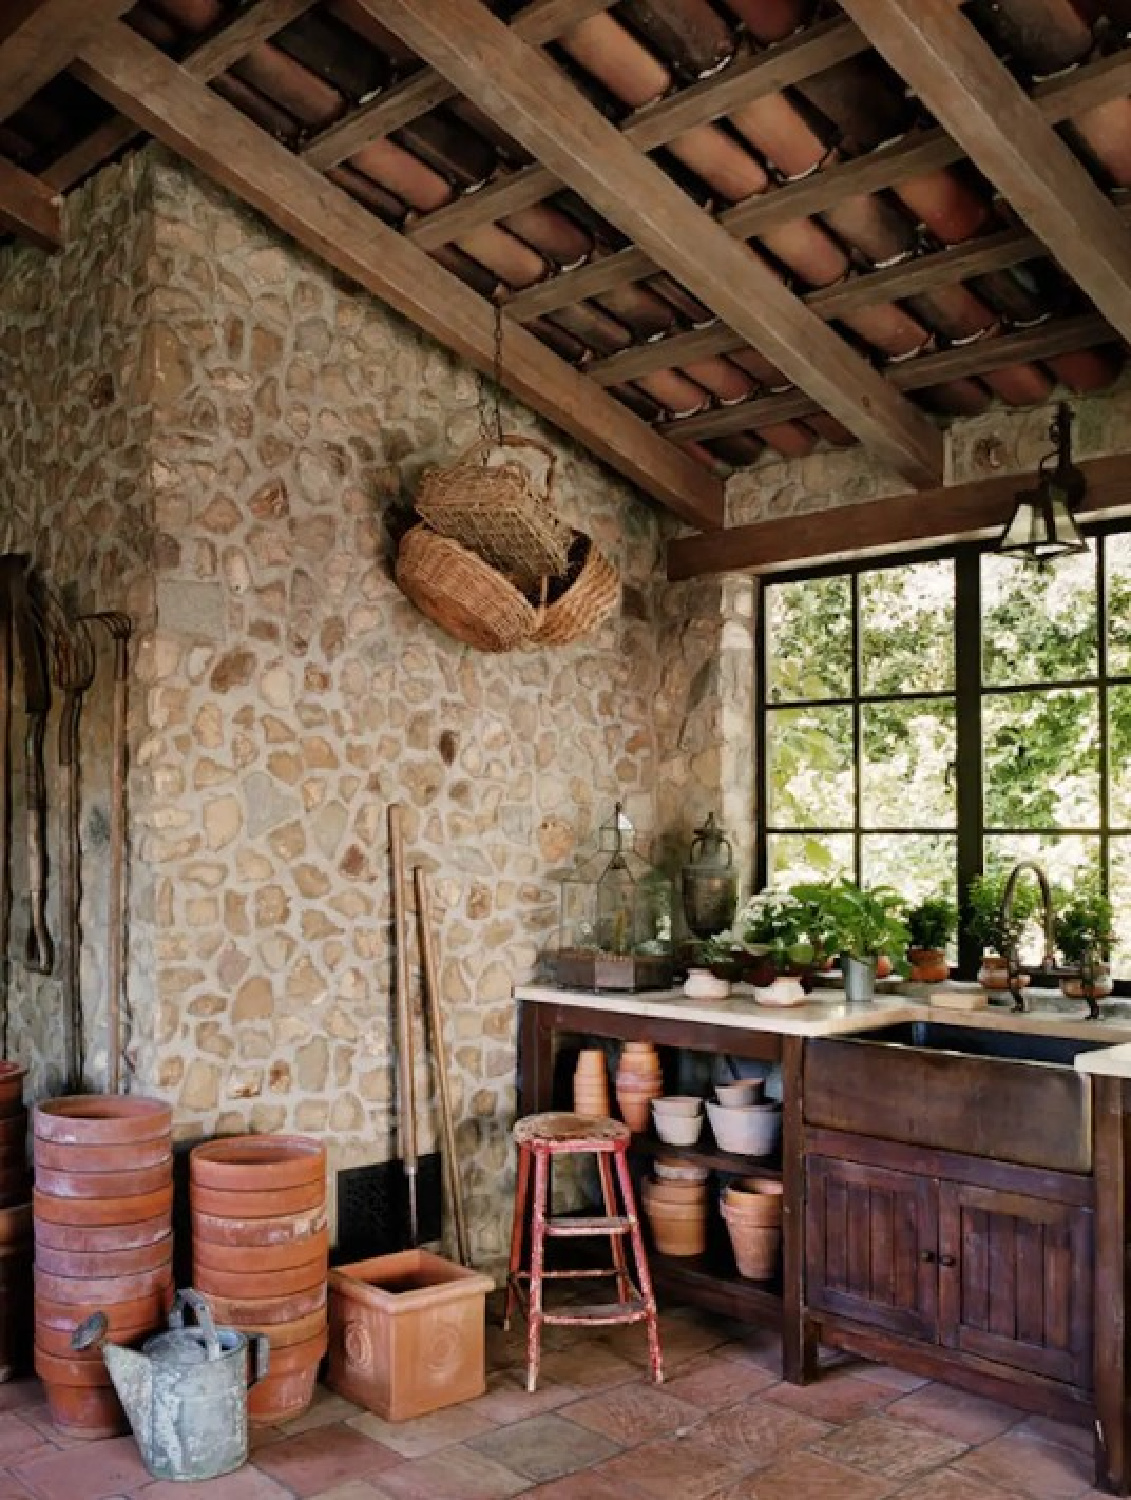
{"x": 871, "y": 1245}
{"x": 1015, "y": 1280}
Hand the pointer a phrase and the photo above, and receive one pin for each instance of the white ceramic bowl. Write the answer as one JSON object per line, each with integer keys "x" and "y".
{"x": 679, "y": 1130}
{"x": 734, "y": 1095}
{"x": 687, "y": 1105}
{"x": 750, "y": 1131}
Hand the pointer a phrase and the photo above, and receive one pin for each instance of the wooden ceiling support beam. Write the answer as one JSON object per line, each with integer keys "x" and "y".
{"x": 393, "y": 108}
{"x": 255, "y": 23}
{"x": 161, "y": 98}
{"x": 38, "y": 39}
{"x": 952, "y": 513}
{"x": 29, "y": 208}
{"x": 745, "y": 79}
{"x": 978, "y": 102}
{"x": 523, "y": 91}
{"x": 1057, "y": 99}
{"x": 961, "y": 362}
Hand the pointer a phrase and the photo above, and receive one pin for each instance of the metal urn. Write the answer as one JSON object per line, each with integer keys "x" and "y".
{"x": 710, "y": 882}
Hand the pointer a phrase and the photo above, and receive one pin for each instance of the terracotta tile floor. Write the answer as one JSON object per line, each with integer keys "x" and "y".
{"x": 723, "y": 1427}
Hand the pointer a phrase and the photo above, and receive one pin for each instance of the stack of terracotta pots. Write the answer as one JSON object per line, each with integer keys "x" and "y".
{"x": 639, "y": 1081}
{"x": 260, "y": 1252}
{"x": 752, "y": 1210}
{"x": 591, "y": 1084}
{"x": 675, "y": 1200}
{"x": 103, "y": 1241}
{"x": 15, "y": 1224}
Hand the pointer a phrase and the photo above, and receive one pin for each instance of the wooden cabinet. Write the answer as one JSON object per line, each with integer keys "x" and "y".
{"x": 1001, "y": 1275}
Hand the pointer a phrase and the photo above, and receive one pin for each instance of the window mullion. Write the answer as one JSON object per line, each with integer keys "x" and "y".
{"x": 857, "y": 737}
{"x": 968, "y": 715}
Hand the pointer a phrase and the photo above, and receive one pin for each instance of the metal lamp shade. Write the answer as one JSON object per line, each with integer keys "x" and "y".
{"x": 1042, "y": 527}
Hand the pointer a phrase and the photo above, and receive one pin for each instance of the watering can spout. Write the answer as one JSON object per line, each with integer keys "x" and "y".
{"x": 131, "y": 1372}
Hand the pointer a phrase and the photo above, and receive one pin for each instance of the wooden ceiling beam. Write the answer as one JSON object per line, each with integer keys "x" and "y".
{"x": 393, "y": 108}
{"x": 745, "y": 79}
{"x": 38, "y": 39}
{"x": 1057, "y": 99}
{"x": 255, "y": 23}
{"x": 186, "y": 116}
{"x": 523, "y": 91}
{"x": 962, "y": 362}
{"x": 29, "y": 208}
{"x": 949, "y": 514}
{"x": 978, "y": 102}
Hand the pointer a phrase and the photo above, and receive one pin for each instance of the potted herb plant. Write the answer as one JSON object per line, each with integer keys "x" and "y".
{"x": 864, "y": 924}
{"x": 780, "y": 934}
{"x": 931, "y": 924}
{"x": 987, "y": 925}
{"x": 1083, "y": 927}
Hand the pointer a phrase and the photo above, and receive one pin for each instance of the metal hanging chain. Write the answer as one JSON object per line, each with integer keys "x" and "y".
{"x": 491, "y": 412}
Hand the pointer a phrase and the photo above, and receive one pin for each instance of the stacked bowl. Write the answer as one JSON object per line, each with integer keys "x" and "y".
{"x": 744, "y": 1122}
{"x": 752, "y": 1210}
{"x": 675, "y": 1200}
{"x": 102, "y": 1214}
{"x": 15, "y": 1224}
{"x": 678, "y": 1118}
{"x": 591, "y": 1085}
{"x": 639, "y": 1081}
{"x": 260, "y": 1254}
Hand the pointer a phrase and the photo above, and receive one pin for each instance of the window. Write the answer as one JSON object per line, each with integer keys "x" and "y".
{"x": 924, "y": 720}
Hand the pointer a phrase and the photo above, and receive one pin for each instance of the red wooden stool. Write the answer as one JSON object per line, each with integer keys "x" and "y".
{"x": 539, "y": 1137}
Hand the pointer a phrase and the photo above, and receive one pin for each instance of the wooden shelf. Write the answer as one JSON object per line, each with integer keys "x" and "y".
{"x": 712, "y": 1157}
{"x": 712, "y": 1284}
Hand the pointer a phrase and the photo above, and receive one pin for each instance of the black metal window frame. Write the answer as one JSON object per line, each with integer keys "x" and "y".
{"x": 970, "y": 830}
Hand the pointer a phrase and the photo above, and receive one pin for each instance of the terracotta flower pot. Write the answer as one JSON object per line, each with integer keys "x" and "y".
{"x": 249, "y": 1205}
{"x": 102, "y": 1263}
{"x": 148, "y": 1311}
{"x": 755, "y": 1200}
{"x": 12, "y": 1076}
{"x": 265, "y": 1232}
{"x": 678, "y": 1192}
{"x": 73, "y": 1369}
{"x": 260, "y": 1258}
{"x": 91, "y": 1239}
{"x": 56, "y": 1341}
{"x": 755, "y": 1246}
{"x": 677, "y": 1228}
{"x": 297, "y": 1331}
{"x": 96, "y": 1291}
{"x": 265, "y": 1312}
{"x": 92, "y": 1212}
{"x": 258, "y": 1163}
{"x": 286, "y": 1393}
{"x": 102, "y": 1119}
{"x": 62, "y": 1156}
{"x": 994, "y": 974}
{"x": 928, "y": 965}
{"x": 85, "y": 1411}
{"x": 104, "y": 1185}
{"x": 259, "y": 1284}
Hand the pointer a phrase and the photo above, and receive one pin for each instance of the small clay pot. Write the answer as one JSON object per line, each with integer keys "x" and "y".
{"x": 96, "y": 1291}
{"x": 928, "y": 965}
{"x": 88, "y": 1239}
{"x": 61, "y": 1156}
{"x": 103, "y": 1185}
{"x": 280, "y": 1231}
{"x": 263, "y": 1312}
{"x": 248, "y": 1205}
{"x": 85, "y": 1411}
{"x": 677, "y": 1192}
{"x": 15, "y": 1225}
{"x": 754, "y": 1200}
{"x": 75, "y": 1369}
{"x": 258, "y": 1163}
{"x": 148, "y": 1311}
{"x": 93, "y": 1212}
{"x": 263, "y": 1258}
{"x": 297, "y": 1331}
{"x": 102, "y": 1119}
{"x": 103, "y": 1263}
{"x": 259, "y": 1284}
{"x": 12, "y": 1077}
{"x": 289, "y": 1386}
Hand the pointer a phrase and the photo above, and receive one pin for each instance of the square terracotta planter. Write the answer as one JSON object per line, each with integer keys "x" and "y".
{"x": 406, "y": 1333}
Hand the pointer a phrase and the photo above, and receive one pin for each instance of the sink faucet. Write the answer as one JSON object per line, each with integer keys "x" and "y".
{"x": 1048, "y": 960}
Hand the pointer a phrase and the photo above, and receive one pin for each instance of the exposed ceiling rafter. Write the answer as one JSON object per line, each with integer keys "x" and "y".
{"x": 38, "y": 39}
{"x": 29, "y": 208}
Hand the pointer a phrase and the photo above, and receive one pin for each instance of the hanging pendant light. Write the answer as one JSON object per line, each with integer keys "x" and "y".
{"x": 1043, "y": 527}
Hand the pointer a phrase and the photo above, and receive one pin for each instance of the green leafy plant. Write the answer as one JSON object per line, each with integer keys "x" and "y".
{"x": 863, "y": 922}
{"x": 932, "y": 923}
{"x": 1084, "y": 922}
{"x": 984, "y": 920}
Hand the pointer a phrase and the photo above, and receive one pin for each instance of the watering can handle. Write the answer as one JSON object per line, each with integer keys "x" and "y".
{"x": 187, "y": 1297}
{"x": 258, "y": 1357}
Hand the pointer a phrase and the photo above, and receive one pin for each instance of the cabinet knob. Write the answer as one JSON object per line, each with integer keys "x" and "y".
{"x": 927, "y": 1257}
{"x": 948, "y": 1261}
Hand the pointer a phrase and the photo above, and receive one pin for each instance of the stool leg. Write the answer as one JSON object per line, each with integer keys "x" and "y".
{"x": 643, "y": 1275}
{"x": 518, "y": 1232}
{"x": 620, "y": 1264}
{"x": 537, "y": 1247}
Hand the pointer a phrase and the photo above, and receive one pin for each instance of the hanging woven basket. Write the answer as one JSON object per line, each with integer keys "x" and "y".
{"x": 499, "y": 505}
{"x": 582, "y": 600}
{"x": 462, "y": 593}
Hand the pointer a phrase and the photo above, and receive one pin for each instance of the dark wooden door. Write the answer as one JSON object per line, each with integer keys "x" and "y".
{"x": 1015, "y": 1280}
{"x": 872, "y": 1245}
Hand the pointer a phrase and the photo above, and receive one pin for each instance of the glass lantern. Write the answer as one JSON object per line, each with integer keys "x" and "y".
{"x": 615, "y": 917}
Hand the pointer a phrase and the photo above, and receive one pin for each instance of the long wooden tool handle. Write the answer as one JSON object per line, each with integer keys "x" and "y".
{"x": 5, "y": 816}
{"x": 40, "y": 949}
{"x": 407, "y": 1130}
{"x": 436, "y": 1026}
{"x": 116, "y": 921}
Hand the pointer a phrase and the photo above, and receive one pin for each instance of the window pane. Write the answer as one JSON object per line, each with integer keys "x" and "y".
{"x": 810, "y": 764}
{"x": 1041, "y": 759}
{"x": 792, "y": 857}
{"x": 908, "y": 772}
{"x": 907, "y": 629}
{"x": 1063, "y": 857}
{"x": 1118, "y": 550}
{"x": 1121, "y": 900}
{"x": 1038, "y": 624}
{"x": 809, "y": 639}
{"x": 916, "y": 864}
{"x": 1119, "y": 756}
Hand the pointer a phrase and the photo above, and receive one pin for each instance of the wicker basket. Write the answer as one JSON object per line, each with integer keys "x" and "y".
{"x": 463, "y": 594}
{"x": 584, "y": 599}
{"x": 500, "y": 506}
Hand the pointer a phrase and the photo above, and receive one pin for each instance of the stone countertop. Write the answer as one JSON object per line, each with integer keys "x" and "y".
{"x": 1111, "y": 1062}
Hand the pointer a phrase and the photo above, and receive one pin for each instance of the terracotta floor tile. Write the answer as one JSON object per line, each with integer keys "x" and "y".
{"x": 545, "y": 1447}
{"x": 11, "y": 1489}
{"x": 687, "y": 1469}
{"x": 755, "y": 1347}
{"x": 353, "y": 1489}
{"x": 889, "y": 1449}
{"x": 952, "y": 1484}
{"x": 317, "y": 1460}
{"x": 757, "y": 1431}
{"x": 804, "y": 1476}
{"x": 1026, "y": 1466}
{"x": 631, "y": 1414}
{"x": 958, "y": 1414}
{"x": 888, "y": 1375}
{"x": 681, "y": 1339}
{"x": 839, "y": 1396}
{"x": 588, "y": 1364}
{"x": 1065, "y": 1434}
{"x": 590, "y": 1484}
{"x": 423, "y": 1435}
{"x": 96, "y": 1471}
{"x": 17, "y": 1393}
{"x": 248, "y": 1483}
{"x": 326, "y": 1407}
{"x": 17, "y": 1437}
{"x": 457, "y": 1473}
{"x": 507, "y": 1399}
{"x": 714, "y": 1382}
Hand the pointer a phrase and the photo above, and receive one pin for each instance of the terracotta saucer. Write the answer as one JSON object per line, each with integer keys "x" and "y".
{"x": 103, "y": 1185}
{"x": 260, "y": 1284}
{"x": 87, "y": 1239}
{"x": 102, "y": 1119}
{"x": 258, "y": 1163}
{"x": 63, "y": 1156}
{"x": 263, "y": 1258}
{"x": 150, "y": 1310}
{"x": 262, "y": 1312}
{"x": 103, "y": 1263}
{"x": 95, "y": 1291}
{"x": 57, "y": 1341}
{"x": 265, "y": 1205}
{"x": 103, "y": 1211}
{"x": 297, "y": 1331}
{"x": 280, "y": 1231}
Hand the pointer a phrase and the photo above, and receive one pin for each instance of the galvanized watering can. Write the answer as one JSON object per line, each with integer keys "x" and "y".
{"x": 185, "y": 1393}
